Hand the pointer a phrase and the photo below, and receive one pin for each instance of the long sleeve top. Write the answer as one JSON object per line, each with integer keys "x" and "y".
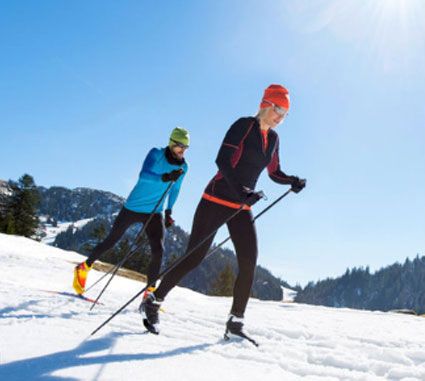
{"x": 150, "y": 187}
{"x": 242, "y": 156}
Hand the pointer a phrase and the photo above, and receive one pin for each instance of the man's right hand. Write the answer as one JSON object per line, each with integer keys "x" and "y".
{"x": 172, "y": 176}
{"x": 168, "y": 220}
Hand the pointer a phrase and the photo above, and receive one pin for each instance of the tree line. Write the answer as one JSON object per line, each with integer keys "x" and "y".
{"x": 398, "y": 286}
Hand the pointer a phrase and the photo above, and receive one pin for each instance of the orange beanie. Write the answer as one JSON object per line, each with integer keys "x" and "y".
{"x": 277, "y": 95}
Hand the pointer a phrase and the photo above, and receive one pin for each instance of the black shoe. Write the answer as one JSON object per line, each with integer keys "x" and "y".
{"x": 149, "y": 308}
{"x": 234, "y": 326}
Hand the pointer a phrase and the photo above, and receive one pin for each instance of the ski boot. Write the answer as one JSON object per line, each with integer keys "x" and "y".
{"x": 80, "y": 276}
{"x": 149, "y": 308}
{"x": 234, "y": 326}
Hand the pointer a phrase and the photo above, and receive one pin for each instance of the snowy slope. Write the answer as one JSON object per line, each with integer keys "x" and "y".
{"x": 51, "y": 232}
{"x": 44, "y": 336}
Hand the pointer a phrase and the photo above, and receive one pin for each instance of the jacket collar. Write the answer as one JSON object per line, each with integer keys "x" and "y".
{"x": 171, "y": 159}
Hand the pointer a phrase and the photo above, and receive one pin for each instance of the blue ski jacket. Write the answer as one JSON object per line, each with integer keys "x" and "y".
{"x": 150, "y": 187}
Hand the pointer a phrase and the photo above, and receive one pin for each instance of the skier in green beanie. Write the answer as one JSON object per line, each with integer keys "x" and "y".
{"x": 161, "y": 166}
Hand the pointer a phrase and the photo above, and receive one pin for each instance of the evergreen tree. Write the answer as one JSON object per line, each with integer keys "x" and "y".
{"x": 64, "y": 240}
{"x": 223, "y": 286}
{"x": 140, "y": 260}
{"x": 115, "y": 254}
{"x": 98, "y": 234}
{"x": 21, "y": 217}
{"x": 173, "y": 257}
{"x": 394, "y": 287}
{"x": 8, "y": 223}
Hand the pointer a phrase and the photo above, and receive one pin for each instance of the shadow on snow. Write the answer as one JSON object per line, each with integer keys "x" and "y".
{"x": 41, "y": 368}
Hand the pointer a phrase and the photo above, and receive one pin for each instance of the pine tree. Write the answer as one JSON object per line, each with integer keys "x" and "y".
{"x": 117, "y": 253}
{"x": 171, "y": 259}
{"x": 98, "y": 234}
{"x": 223, "y": 286}
{"x": 9, "y": 224}
{"x": 140, "y": 260}
{"x": 22, "y": 210}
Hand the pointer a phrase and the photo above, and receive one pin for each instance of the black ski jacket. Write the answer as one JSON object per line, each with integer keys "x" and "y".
{"x": 241, "y": 159}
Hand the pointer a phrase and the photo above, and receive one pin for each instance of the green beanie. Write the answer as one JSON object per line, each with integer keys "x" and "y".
{"x": 179, "y": 135}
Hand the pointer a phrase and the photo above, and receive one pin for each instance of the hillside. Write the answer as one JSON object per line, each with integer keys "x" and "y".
{"x": 63, "y": 204}
{"x": 398, "y": 286}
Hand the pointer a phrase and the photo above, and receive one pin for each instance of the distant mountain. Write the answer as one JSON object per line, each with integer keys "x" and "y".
{"x": 63, "y": 204}
{"x": 398, "y": 286}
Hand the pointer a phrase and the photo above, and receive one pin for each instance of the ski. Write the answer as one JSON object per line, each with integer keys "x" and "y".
{"x": 241, "y": 335}
{"x": 72, "y": 295}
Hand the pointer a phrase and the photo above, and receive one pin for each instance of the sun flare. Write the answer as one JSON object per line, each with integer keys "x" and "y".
{"x": 390, "y": 32}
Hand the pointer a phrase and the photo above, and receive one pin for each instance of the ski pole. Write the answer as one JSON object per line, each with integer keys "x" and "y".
{"x": 164, "y": 272}
{"x": 131, "y": 252}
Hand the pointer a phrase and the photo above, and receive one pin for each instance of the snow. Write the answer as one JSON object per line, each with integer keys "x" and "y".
{"x": 288, "y": 295}
{"x": 45, "y": 336}
{"x": 51, "y": 232}
{"x": 5, "y": 189}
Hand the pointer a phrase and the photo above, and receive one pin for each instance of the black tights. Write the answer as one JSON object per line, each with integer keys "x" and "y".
{"x": 154, "y": 231}
{"x": 208, "y": 218}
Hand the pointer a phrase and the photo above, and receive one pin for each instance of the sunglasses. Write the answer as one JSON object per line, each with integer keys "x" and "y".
{"x": 277, "y": 109}
{"x": 180, "y": 145}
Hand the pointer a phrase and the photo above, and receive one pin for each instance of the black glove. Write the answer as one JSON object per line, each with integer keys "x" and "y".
{"x": 251, "y": 197}
{"x": 172, "y": 176}
{"x": 168, "y": 221}
{"x": 297, "y": 184}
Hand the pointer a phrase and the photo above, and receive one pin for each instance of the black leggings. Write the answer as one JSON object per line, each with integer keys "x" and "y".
{"x": 154, "y": 231}
{"x": 208, "y": 218}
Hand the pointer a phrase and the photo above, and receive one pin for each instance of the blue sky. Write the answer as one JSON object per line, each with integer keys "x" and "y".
{"x": 87, "y": 88}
